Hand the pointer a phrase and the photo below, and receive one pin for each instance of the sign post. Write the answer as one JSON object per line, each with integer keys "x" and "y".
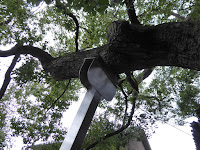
{"x": 100, "y": 85}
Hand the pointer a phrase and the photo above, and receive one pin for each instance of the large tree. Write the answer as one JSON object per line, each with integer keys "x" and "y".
{"x": 51, "y": 38}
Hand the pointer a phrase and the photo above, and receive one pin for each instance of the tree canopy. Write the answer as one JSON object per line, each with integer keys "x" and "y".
{"x": 137, "y": 39}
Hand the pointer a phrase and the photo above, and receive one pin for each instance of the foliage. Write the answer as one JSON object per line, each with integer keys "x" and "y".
{"x": 2, "y": 125}
{"x": 40, "y": 101}
{"x": 41, "y": 110}
{"x": 172, "y": 93}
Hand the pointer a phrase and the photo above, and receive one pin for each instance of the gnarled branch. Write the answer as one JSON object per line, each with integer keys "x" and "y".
{"x": 43, "y": 56}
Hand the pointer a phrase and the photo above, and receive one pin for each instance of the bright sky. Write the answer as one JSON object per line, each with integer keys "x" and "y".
{"x": 169, "y": 138}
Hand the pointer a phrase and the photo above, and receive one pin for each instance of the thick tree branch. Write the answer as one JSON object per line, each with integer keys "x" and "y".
{"x": 119, "y": 130}
{"x": 43, "y": 56}
{"x": 132, "y": 48}
{"x": 7, "y": 76}
{"x": 71, "y": 63}
{"x": 131, "y": 11}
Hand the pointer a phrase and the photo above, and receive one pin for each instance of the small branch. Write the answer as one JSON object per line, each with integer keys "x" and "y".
{"x": 120, "y": 86}
{"x": 77, "y": 29}
{"x": 61, "y": 6}
{"x": 150, "y": 97}
{"x": 60, "y": 95}
{"x": 126, "y": 101}
{"x": 119, "y": 130}
{"x": 131, "y": 12}
{"x": 38, "y": 7}
{"x": 85, "y": 29}
{"x": 132, "y": 82}
{"x": 125, "y": 112}
{"x": 7, "y": 76}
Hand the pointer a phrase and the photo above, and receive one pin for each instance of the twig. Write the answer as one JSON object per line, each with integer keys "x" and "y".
{"x": 85, "y": 29}
{"x": 59, "y": 96}
{"x": 40, "y": 5}
{"x": 119, "y": 130}
{"x": 7, "y": 76}
{"x": 132, "y": 82}
{"x": 121, "y": 88}
{"x": 77, "y": 29}
{"x": 126, "y": 101}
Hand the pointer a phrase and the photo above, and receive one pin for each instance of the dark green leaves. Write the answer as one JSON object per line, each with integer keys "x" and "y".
{"x": 28, "y": 72}
{"x": 89, "y": 6}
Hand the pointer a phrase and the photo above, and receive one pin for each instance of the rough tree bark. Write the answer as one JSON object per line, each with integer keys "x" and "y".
{"x": 130, "y": 47}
